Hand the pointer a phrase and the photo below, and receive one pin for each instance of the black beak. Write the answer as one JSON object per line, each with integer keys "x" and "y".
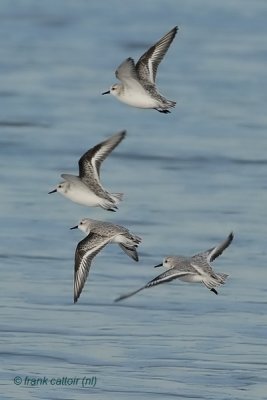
{"x": 53, "y": 191}
{"x": 74, "y": 227}
{"x": 159, "y": 265}
{"x": 108, "y": 92}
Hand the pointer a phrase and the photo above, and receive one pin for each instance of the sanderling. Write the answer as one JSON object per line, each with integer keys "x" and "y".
{"x": 99, "y": 235}
{"x": 116, "y": 233}
{"x": 138, "y": 87}
{"x": 86, "y": 188}
{"x": 190, "y": 269}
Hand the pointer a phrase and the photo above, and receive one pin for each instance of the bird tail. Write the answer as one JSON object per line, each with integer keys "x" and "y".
{"x": 116, "y": 197}
{"x": 222, "y": 278}
{"x": 211, "y": 282}
{"x": 111, "y": 204}
{"x": 136, "y": 240}
{"x": 171, "y": 103}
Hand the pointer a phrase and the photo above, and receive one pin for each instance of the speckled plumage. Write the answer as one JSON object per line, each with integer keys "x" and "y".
{"x": 99, "y": 234}
{"x": 190, "y": 269}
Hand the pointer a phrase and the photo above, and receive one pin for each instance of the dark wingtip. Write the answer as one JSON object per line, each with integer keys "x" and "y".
{"x": 214, "y": 291}
{"x": 173, "y": 32}
{"x": 231, "y": 235}
{"x": 123, "y": 133}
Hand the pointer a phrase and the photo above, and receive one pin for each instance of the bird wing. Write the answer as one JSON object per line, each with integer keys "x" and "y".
{"x": 86, "y": 250}
{"x": 126, "y": 71}
{"x": 90, "y": 162}
{"x": 211, "y": 254}
{"x": 166, "y": 276}
{"x": 148, "y": 63}
{"x": 218, "y": 250}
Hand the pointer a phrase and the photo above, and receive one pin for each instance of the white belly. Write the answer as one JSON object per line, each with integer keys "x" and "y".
{"x": 139, "y": 99}
{"x": 83, "y": 196}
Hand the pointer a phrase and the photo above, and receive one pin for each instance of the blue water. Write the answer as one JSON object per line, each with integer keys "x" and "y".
{"x": 189, "y": 178}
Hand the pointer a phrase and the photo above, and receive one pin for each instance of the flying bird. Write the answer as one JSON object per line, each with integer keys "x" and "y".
{"x": 190, "y": 269}
{"x": 86, "y": 189}
{"x": 99, "y": 234}
{"x": 137, "y": 87}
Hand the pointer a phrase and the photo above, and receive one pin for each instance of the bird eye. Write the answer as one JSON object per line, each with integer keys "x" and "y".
{"x": 59, "y": 186}
{"x": 81, "y": 222}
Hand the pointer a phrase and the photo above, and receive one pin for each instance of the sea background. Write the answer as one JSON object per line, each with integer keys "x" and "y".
{"x": 189, "y": 178}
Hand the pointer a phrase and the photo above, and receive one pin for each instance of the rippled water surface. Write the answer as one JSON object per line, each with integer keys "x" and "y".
{"x": 189, "y": 178}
